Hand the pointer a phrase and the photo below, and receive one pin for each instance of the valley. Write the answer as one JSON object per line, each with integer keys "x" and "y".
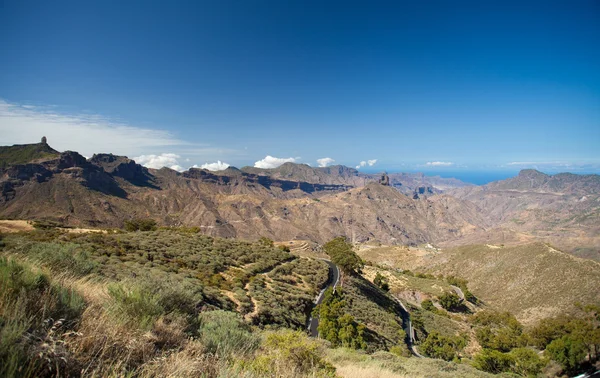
{"x": 422, "y": 277}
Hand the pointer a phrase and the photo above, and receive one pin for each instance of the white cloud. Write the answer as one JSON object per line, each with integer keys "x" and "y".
{"x": 273, "y": 162}
{"x": 364, "y": 163}
{"x": 324, "y": 162}
{"x": 556, "y": 163}
{"x": 217, "y": 166}
{"x": 169, "y": 160}
{"x": 89, "y": 133}
{"x": 439, "y": 163}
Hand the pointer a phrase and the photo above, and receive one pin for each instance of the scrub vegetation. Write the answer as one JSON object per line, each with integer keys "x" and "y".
{"x": 172, "y": 302}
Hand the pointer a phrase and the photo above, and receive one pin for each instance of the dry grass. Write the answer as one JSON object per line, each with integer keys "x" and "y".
{"x": 9, "y": 226}
{"x": 15, "y": 226}
{"x": 531, "y": 281}
{"x": 350, "y": 371}
{"x": 353, "y": 364}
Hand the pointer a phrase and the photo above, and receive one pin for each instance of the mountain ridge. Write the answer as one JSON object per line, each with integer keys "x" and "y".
{"x": 107, "y": 189}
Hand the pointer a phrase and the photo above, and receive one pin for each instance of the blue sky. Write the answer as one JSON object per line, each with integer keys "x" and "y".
{"x": 439, "y": 86}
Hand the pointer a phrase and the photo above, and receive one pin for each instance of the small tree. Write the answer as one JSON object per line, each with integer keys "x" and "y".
{"x": 444, "y": 347}
{"x": 140, "y": 225}
{"x": 381, "y": 282}
{"x": 569, "y": 351}
{"x": 343, "y": 255}
{"x": 450, "y": 301}
{"x": 336, "y": 326}
{"x": 493, "y": 361}
{"x": 526, "y": 362}
{"x": 266, "y": 241}
{"x": 427, "y": 304}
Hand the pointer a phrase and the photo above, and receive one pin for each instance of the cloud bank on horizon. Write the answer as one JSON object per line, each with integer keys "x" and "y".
{"x": 216, "y": 166}
{"x": 364, "y": 163}
{"x": 439, "y": 163}
{"x": 273, "y": 162}
{"x": 324, "y": 162}
{"x": 168, "y": 160}
{"x": 155, "y": 148}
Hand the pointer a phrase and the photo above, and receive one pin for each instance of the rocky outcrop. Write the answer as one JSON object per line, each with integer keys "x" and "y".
{"x": 237, "y": 177}
{"x": 422, "y": 191}
{"x": 122, "y": 166}
{"x": 68, "y": 163}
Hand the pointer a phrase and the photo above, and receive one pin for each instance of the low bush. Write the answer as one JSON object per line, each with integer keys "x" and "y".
{"x": 336, "y": 325}
{"x": 569, "y": 351}
{"x": 32, "y": 310}
{"x": 427, "y": 304}
{"x": 137, "y": 305}
{"x": 67, "y": 258}
{"x": 493, "y": 361}
{"x": 522, "y": 361}
{"x": 140, "y": 225}
{"x": 450, "y": 302}
{"x": 443, "y": 347}
{"x": 225, "y": 335}
{"x": 497, "y": 330}
{"x": 288, "y": 353}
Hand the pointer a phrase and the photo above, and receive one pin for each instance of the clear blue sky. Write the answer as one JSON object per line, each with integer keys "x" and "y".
{"x": 461, "y": 85}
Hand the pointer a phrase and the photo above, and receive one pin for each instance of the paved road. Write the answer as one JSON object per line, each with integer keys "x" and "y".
{"x": 459, "y": 292}
{"x": 334, "y": 278}
{"x": 408, "y": 328}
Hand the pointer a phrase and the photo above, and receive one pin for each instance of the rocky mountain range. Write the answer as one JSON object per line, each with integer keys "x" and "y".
{"x": 563, "y": 209}
{"x": 296, "y": 201}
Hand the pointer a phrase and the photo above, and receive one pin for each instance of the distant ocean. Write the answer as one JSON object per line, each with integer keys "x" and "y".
{"x": 476, "y": 177}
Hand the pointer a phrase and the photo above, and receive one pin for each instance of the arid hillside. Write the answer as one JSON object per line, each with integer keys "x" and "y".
{"x": 296, "y": 201}
{"x": 532, "y": 281}
{"x": 562, "y": 209}
{"x": 106, "y": 190}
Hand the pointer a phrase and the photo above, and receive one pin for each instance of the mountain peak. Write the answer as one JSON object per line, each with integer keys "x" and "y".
{"x": 531, "y": 173}
{"x": 26, "y": 153}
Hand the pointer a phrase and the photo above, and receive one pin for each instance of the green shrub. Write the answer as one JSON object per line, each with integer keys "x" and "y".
{"x": 336, "y": 326}
{"x": 526, "y": 362}
{"x": 266, "y": 242}
{"x": 140, "y": 225}
{"x": 45, "y": 224}
{"x": 493, "y": 361}
{"x": 450, "y": 301}
{"x": 497, "y": 330}
{"x": 342, "y": 254}
{"x": 137, "y": 305}
{"x": 381, "y": 282}
{"x": 224, "y": 334}
{"x": 31, "y": 307}
{"x": 287, "y": 353}
{"x": 443, "y": 347}
{"x": 427, "y": 304}
{"x": 69, "y": 258}
{"x": 569, "y": 351}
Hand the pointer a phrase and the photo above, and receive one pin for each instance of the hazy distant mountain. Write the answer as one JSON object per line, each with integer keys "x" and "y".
{"x": 342, "y": 175}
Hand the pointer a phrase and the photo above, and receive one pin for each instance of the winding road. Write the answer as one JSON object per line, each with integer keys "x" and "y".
{"x": 408, "y": 328}
{"x": 334, "y": 279}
